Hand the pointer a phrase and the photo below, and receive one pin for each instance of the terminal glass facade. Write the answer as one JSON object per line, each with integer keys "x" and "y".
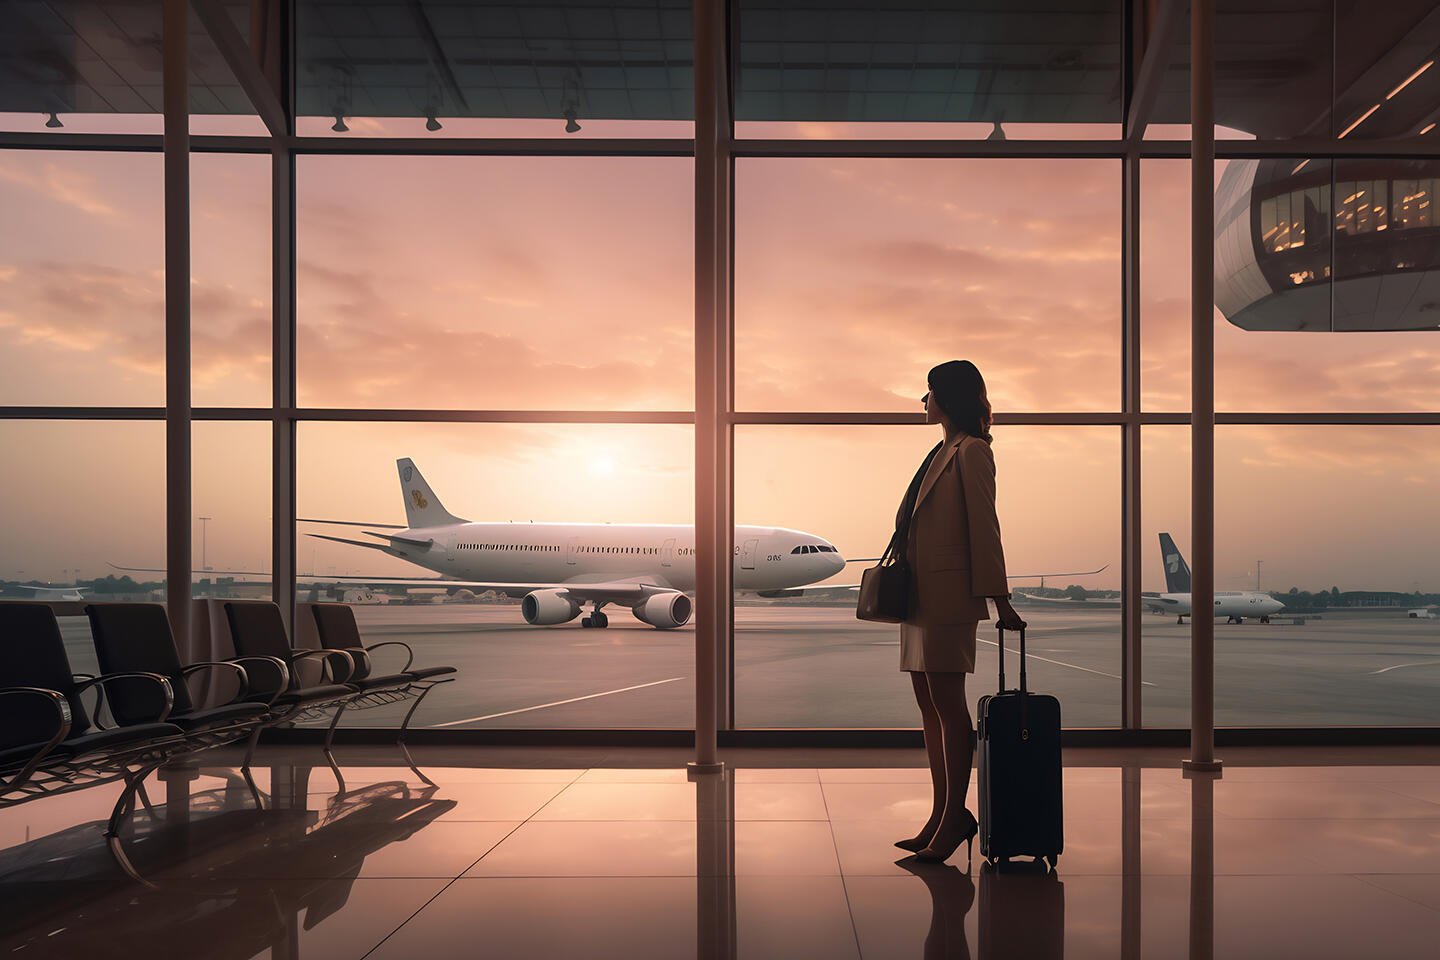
{"x": 470, "y": 254}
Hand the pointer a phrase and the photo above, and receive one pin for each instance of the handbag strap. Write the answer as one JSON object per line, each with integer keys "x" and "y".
{"x": 899, "y": 540}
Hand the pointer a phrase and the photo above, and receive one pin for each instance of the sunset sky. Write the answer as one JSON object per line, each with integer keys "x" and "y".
{"x": 555, "y": 283}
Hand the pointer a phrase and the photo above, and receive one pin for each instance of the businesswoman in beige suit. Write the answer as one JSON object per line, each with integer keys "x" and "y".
{"x": 956, "y": 563}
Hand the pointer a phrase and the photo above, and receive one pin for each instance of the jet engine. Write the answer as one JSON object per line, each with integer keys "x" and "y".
{"x": 665, "y": 611}
{"x": 543, "y": 608}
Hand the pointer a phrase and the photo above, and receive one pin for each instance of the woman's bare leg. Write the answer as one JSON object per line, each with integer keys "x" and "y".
{"x": 947, "y": 694}
{"x": 935, "y": 753}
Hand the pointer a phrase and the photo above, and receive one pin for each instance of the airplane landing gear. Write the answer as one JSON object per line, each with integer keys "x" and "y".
{"x": 1180, "y": 620}
{"x": 596, "y": 619}
{"x": 1264, "y": 619}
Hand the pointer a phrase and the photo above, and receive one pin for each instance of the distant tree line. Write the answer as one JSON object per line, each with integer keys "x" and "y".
{"x": 1297, "y": 599}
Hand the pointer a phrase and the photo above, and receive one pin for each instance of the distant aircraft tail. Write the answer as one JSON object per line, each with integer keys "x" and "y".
{"x": 422, "y": 507}
{"x": 1177, "y": 573}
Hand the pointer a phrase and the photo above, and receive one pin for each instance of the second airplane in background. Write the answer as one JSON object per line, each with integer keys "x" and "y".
{"x": 1233, "y": 606}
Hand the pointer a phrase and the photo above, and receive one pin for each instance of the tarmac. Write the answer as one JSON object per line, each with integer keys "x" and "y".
{"x": 816, "y": 666}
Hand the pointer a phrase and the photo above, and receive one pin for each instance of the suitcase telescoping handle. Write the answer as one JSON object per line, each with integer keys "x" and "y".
{"x": 1001, "y": 631}
{"x": 1024, "y": 693}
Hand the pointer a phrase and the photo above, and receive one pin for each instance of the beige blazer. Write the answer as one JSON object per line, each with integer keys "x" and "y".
{"x": 956, "y": 560}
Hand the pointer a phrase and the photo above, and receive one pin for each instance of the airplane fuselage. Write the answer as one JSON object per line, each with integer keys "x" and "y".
{"x": 1228, "y": 604}
{"x": 766, "y": 558}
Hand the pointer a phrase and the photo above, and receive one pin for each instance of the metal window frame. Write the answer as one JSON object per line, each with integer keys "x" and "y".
{"x": 715, "y": 416}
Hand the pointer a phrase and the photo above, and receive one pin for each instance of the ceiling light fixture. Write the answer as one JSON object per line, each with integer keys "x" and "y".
{"x": 339, "y": 125}
{"x": 1363, "y": 117}
{"x": 570, "y": 125}
{"x": 1427, "y": 129}
{"x": 431, "y": 123}
{"x": 54, "y": 121}
{"x": 1423, "y": 67}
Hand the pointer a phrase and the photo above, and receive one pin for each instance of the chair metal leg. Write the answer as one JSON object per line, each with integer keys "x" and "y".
{"x": 250, "y": 747}
{"x": 330, "y": 734}
{"x": 117, "y": 815}
{"x": 405, "y": 727}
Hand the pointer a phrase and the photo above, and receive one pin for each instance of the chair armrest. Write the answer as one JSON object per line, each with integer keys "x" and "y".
{"x": 409, "y": 653}
{"x": 240, "y": 674}
{"x": 330, "y": 658}
{"x": 61, "y": 706}
{"x": 275, "y": 664}
{"x": 99, "y": 684}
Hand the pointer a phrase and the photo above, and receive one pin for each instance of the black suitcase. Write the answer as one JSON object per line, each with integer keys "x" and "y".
{"x": 1019, "y": 764}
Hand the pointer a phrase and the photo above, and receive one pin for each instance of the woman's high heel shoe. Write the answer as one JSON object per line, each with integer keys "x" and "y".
{"x": 968, "y": 830}
{"x": 914, "y": 844}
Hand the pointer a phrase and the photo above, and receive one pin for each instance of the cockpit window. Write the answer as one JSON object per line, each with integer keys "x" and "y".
{"x": 798, "y": 550}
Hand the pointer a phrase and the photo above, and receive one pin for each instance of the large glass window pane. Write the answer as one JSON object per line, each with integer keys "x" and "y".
{"x": 86, "y": 497}
{"x": 854, "y": 276}
{"x": 496, "y": 282}
{"x": 82, "y": 287}
{"x": 1279, "y": 350}
{"x": 1337, "y": 524}
{"x": 805, "y": 661}
{"x": 494, "y": 69}
{"x": 1165, "y": 639}
{"x": 230, "y": 291}
{"x": 964, "y": 70}
{"x": 231, "y": 486}
{"x": 553, "y": 504}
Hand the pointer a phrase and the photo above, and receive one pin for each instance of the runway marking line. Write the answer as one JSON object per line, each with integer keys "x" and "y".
{"x": 557, "y": 703}
{"x": 1062, "y": 663}
{"x": 1417, "y": 663}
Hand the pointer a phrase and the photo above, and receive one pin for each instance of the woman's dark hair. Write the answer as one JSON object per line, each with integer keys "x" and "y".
{"x": 960, "y": 391}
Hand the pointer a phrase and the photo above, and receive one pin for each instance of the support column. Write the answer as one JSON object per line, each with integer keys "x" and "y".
{"x": 1130, "y": 516}
{"x": 1202, "y": 386}
{"x": 178, "y": 550}
{"x": 713, "y": 562}
{"x": 282, "y": 449}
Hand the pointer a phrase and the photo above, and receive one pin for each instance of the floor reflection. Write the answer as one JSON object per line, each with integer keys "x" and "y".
{"x": 225, "y": 870}
{"x": 395, "y": 862}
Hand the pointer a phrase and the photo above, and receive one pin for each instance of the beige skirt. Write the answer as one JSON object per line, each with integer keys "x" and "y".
{"x": 939, "y": 649}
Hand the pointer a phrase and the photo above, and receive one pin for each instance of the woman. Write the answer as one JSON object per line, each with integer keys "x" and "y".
{"x": 956, "y": 563}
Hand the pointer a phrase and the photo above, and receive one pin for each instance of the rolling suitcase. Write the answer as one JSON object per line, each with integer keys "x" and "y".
{"x": 1019, "y": 765}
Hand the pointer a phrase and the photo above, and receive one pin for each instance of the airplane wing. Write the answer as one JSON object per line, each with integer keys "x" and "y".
{"x": 614, "y": 590}
{"x": 1100, "y": 604}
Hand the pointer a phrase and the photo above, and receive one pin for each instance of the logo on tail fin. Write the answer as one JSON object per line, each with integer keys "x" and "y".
{"x": 422, "y": 507}
{"x": 1177, "y": 574}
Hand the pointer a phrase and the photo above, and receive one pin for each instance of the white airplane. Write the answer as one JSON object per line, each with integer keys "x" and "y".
{"x": 1233, "y": 606}
{"x": 57, "y": 593}
{"x": 557, "y": 568}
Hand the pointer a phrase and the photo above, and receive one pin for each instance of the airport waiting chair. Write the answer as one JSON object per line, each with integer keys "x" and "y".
{"x": 133, "y": 637}
{"x": 49, "y": 742}
{"x": 335, "y": 623}
{"x": 258, "y": 632}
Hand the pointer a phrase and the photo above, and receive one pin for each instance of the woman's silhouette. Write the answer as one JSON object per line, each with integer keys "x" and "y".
{"x": 956, "y": 563}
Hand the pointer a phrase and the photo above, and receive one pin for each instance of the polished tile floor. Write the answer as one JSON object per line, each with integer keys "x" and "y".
{"x": 518, "y": 853}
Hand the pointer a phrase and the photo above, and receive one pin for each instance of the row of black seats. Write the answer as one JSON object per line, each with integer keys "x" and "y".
{"x": 49, "y": 741}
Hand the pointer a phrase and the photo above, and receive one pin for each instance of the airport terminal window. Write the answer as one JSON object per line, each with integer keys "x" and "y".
{"x": 803, "y": 660}
{"x": 909, "y": 261}
{"x": 230, "y": 296}
{"x": 82, "y": 317}
{"x": 88, "y": 494}
{"x": 513, "y": 672}
{"x": 1364, "y": 365}
{"x": 1326, "y": 527}
{"x": 495, "y": 282}
{"x": 230, "y": 481}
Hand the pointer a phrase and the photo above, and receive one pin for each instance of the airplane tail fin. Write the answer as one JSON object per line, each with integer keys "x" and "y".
{"x": 422, "y": 507}
{"x": 1177, "y": 572}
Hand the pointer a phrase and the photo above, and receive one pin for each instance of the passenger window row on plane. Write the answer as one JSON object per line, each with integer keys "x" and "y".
{"x": 644, "y": 550}
{"x": 813, "y": 548}
{"x": 508, "y": 546}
